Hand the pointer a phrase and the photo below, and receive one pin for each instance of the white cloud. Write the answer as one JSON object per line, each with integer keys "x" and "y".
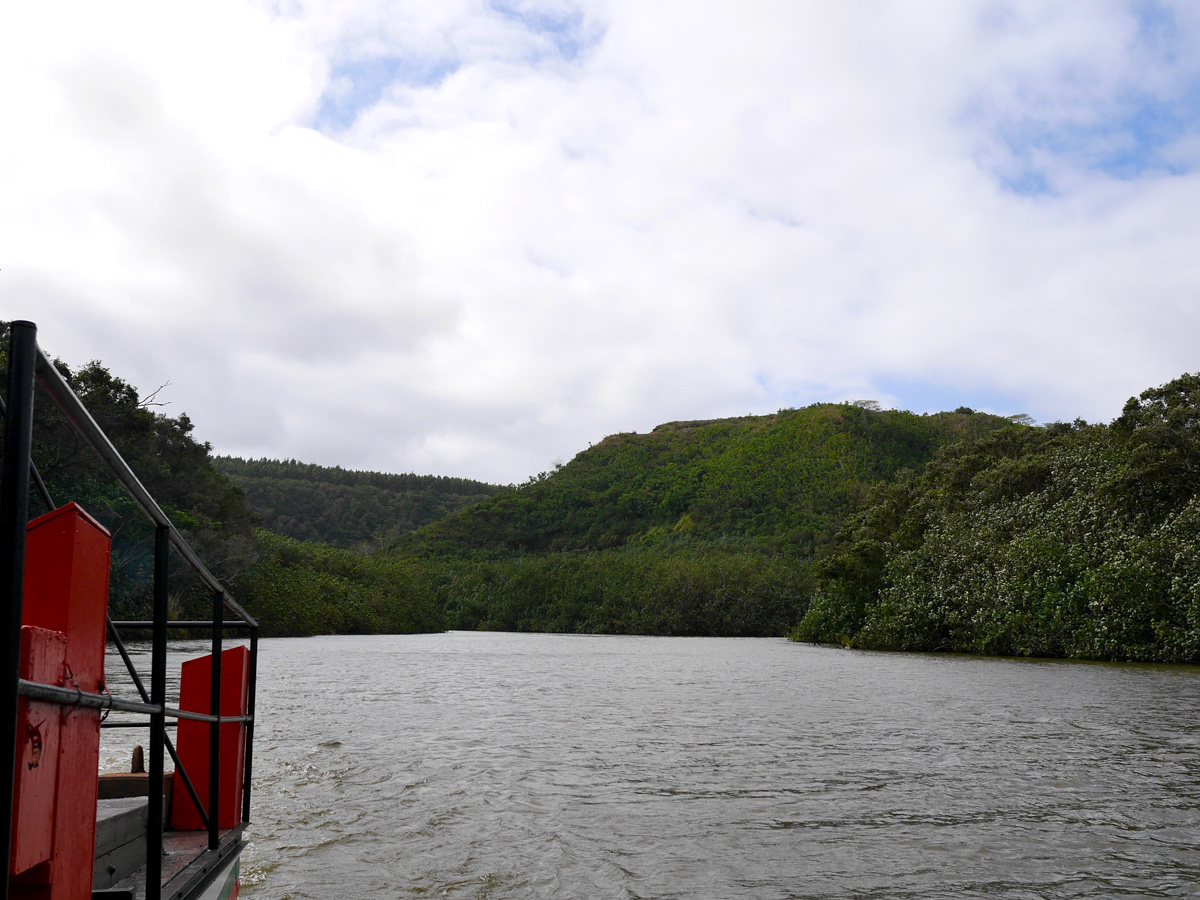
{"x": 531, "y": 225}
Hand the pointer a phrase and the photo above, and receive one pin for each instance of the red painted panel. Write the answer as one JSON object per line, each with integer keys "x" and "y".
{"x": 42, "y": 656}
{"x": 66, "y": 590}
{"x": 66, "y": 586}
{"x": 192, "y": 741}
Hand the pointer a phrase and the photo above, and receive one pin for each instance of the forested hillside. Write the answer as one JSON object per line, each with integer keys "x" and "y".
{"x": 694, "y": 528}
{"x": 343, "y": 507}
{"x": 1074, "y": 540}
{"x": 784, "y": 481}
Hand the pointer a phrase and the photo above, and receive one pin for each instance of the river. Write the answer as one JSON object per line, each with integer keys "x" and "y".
{"x": 481, "y": 765}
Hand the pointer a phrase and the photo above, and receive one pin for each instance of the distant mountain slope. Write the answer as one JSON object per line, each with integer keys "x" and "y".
{"x": 342, "y": 507}
{"x": 784, "y": 482}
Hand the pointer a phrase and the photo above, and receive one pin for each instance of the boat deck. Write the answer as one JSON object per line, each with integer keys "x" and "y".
{"x": 188, "y": 865}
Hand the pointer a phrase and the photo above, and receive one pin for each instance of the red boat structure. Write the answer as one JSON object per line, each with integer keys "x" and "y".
{"x": 70, "y": 833}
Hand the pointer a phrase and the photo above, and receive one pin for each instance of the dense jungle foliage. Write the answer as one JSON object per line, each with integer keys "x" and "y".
{"x": 694, "y": 528}
{"x": 302, "y": 588}
{"x": 342, "y": 507}
{"x": 782, "y": 482}
{"x": 687, "y": 589}
{"x": 1074, "y": 540}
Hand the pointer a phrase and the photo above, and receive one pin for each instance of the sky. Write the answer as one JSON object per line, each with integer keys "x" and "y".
{"x": 471, "y": 238}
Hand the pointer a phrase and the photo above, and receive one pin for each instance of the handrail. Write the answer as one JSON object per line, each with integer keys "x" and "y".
{"x": 58, "y": 389}
{"x": 53, "y": 693}
{"x": 180, "y": 623}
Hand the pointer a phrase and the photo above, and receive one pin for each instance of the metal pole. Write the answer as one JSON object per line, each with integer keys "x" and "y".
{"x": 158, "y": 721}
{"x": 250, "y": 725}
{"x": 115, "y": 637}
{"x": 14, "y": 514}
{"x": 214, "y": 734}
{"x": 51, "y": 693}
{"x": 178, "y": 624}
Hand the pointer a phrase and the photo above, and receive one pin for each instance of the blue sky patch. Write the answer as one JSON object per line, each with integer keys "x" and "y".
{"x": 1128, "y": 144}
{"x": 921, "y": 396}
{"x": 1027, "y": 183}
{"x": 773, "y": 215}
{"x": 563, "y": 29}
{"x": 356, "y": 85}
{"x": 1126, "y": 134}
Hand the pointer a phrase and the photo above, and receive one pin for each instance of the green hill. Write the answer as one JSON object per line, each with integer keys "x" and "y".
{"x": 695, "y": 528}
{"x": 784, "y": 482}
{"x": 342, "y": 507}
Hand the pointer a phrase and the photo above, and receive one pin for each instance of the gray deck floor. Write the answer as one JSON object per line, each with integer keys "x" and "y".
{"x": 188, "y": 865}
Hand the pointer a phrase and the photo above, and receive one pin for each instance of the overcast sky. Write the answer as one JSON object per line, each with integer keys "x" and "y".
{"x": 469, "y": 238}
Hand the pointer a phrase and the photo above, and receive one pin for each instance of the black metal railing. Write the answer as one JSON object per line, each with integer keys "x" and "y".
{"x": 25, "y": 362}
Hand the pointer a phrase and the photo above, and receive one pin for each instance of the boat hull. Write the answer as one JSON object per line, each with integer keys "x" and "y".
{"x": 224, "y": 886}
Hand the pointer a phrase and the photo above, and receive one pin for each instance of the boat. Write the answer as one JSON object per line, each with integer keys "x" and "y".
{"x": 70, "y": 833}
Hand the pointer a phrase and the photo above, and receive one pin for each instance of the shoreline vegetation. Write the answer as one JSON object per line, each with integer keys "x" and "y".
{"x": 1072, "y": 540}
{"x": 836, "y": 523}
